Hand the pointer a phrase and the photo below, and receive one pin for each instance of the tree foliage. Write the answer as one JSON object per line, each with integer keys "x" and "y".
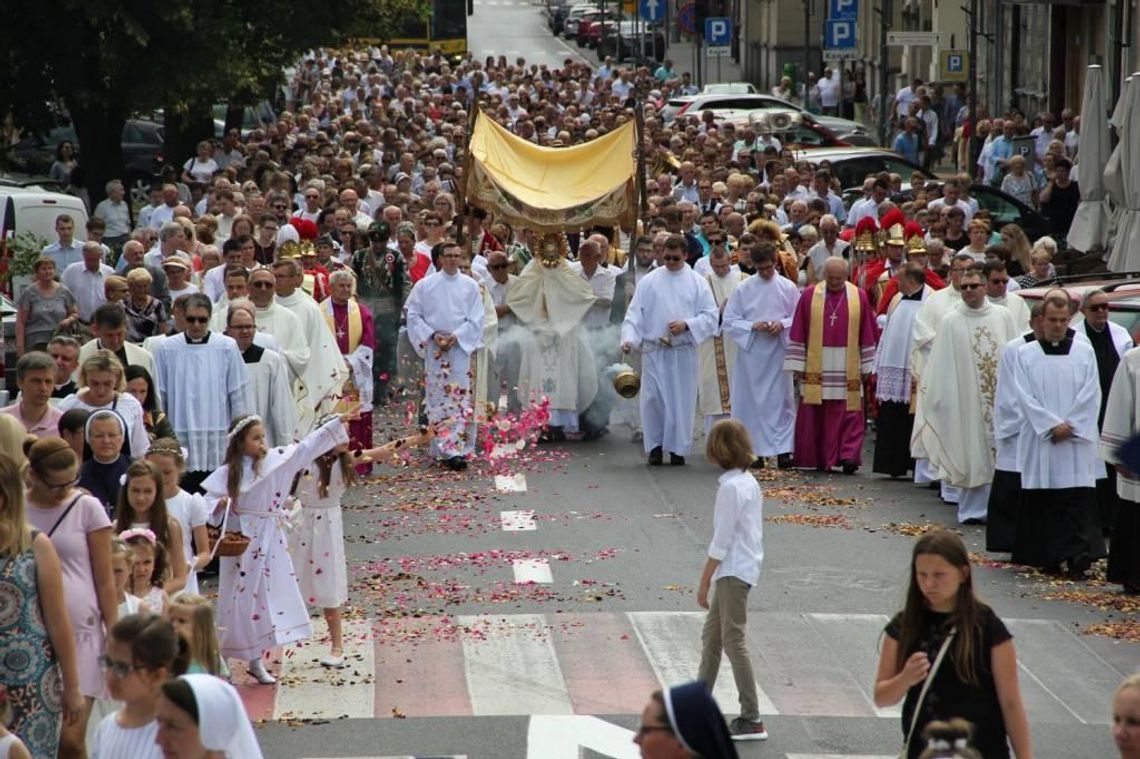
{"x": 105, "y": 60}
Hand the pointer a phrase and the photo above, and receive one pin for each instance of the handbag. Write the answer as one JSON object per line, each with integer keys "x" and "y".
{"x": 922, "y": 695}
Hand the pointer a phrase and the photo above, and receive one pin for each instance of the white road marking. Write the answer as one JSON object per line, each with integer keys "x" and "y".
{"x": 510, "y": 484}
{"x": 518, "y": 521}
{"x": 559, "y": 737}
{"x": 311, "y": 691}
{"x": 854, "y": 640}
{"x": 529, "y": 571}
{"x": 514, "y": 673}
{"x": 672, "y": 643}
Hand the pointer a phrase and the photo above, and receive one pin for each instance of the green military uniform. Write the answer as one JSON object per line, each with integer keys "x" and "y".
{"x": 383, "y": 285}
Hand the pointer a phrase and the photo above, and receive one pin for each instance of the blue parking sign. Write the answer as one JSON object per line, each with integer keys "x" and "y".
{"x": 843, "y": 9}
{"x": 652, "y": 10}
{"x": 718, "y": 30}
{"x": 838, "y": 34}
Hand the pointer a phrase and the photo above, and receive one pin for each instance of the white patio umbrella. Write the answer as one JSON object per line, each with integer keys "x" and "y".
{"x": 1089, "y": 230}
{"x": 1113, "y": 173}
{"x": 1126, "y": 247}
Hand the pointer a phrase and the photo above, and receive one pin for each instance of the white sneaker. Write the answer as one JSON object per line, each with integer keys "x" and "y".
{"x": 257, "y": 671}
{"x": 333, "y": 662}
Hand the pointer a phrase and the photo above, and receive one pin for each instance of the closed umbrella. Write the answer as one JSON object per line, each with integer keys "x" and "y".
{"x": 1113, "y": 172}
{"x": 1089, "y": 230}
{"x": 1126, "y": 247}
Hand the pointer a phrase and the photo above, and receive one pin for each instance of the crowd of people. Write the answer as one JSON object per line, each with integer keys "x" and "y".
{"x": 188, "y": 363}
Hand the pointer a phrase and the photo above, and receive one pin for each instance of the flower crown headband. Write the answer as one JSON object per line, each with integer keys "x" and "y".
{"x": 137, "y": 532}
{"x": 251, "y": 419}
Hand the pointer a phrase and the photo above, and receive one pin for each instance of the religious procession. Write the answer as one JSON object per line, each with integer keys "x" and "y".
{"x": 457, "y": 256}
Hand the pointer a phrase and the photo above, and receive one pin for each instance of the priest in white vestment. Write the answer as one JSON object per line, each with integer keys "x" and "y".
{"x": 326, "y": 371}
{"x": 202, "y": 380}
{"x": 894, "y": 386}
{"x": 718, "y": 353}
{"x": 672, "y": 312}
{"x": 445, "y": 327}
{"x": 270, "y": 392}
{"x": 1121, "y": 424}
{"x": 550, "y": 301}
{"x": 1059, "y": 391}
{"x": 505, "y": 368}
{"x": 600, "y": 332}
{"x": 485, "y": 354}
{"x": 283, "y": 325}
{"x": 997, "y": 292}
{"x": 953, "y": 424}
{"x": 926, "y": 324}
{"x": 756, "y": 320}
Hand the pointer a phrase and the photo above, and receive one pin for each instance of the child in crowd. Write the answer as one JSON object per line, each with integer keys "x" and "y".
{"x": 317, "y": 542}
{"x": 143, "y": 652}
{"x": 189, "y": 510}
{"x": 733, "y": 567}
{"x": 101, "y": 472}
{"x": 142, "y": 506}
{"x": 11, "y": 747}
{"x": 71, "y": 427}
{"x": 148, "y": 568}
{"x": 193, "y": 618}
{"x": 122, "y": 562}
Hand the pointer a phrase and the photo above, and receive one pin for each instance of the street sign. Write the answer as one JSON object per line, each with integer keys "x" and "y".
{"x": 718, "y": 31}
{"x": 718, "y": 51}
{"x": 838, "y": 34}
{"x": 843, "y": 10}
{"x": 954, "y": 65}
{"x": 652, "y": 10}
{"x": 904, "y": 39}
{"x": 848, "y": 54}
{"x": 687, "y": 19}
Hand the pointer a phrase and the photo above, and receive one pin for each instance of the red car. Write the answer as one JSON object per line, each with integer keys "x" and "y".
{"x": 1123, "y": 290}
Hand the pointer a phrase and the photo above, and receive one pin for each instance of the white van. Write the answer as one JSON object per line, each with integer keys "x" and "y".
{"x": 32, "y": 210}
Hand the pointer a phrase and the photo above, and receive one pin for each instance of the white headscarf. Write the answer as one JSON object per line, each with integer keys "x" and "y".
{"x": 221, "y": 709}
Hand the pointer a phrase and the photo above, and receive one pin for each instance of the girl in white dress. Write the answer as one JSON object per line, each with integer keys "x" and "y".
{"x": 260, "y": 605}
{"x": 189, "y": 510}
{"x": 11, "y": 747}
{"x": 147, "y": 569}
{"x": 317, "y": 542}
{"x": 143, "y": 652}
{"x": 142, "y": 506}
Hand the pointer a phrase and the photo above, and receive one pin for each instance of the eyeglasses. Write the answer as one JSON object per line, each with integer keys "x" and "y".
{"x": 262, "y": 285}
{"x": 970, "y": 287}
{"x": 716, "y": 241}
{"x": 673, "y": 259}
{"x": 61, "y": 487}
{"x": 197, "y": 319}
{"x": 117, "y": 668}
{"x": 1098, "y": 307}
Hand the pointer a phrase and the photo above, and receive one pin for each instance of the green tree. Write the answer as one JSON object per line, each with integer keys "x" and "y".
{"x": 105, "y": 60}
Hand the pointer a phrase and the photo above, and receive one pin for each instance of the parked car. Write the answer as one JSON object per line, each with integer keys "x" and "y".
{"x": 623, "y": 45}
{"x": 570, "y": 25}
{"x": 851, "y": 165}
{"x": 556, "y": 11}
{"x": 1122, "y": 288}
{"x": 30, "y": 181}
{"x": 851, "y": 132}
{"x": 142, "y": 145}
{"x": 805, "y": 133}
{"x": 729, "y": 88}
{"x": 30, "y": 210}
{"x": 8, "y": 355}
{"x": 589, "y": 26}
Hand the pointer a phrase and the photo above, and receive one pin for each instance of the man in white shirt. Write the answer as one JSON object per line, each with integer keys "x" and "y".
{"x": 829, "y": 246}
{"x": 905, "y": 97}
{"x": 829, "y": 93}
{"x": 821, "y": 188}
{"x": 227, "y": 212}
{"x": 951, "y": 196}
{"x": 86, "y": 279}
{"x": 868, "y": 206}
{"x": 164, "y": 214}
{"x": 311, "y": 210}
{"x": 351, "y": 202}
{"x": 171, "y": 238}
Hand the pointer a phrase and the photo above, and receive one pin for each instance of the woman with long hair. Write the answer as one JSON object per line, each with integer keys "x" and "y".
{"x": 36, "y": 622}
{"x": 947, "y": 634}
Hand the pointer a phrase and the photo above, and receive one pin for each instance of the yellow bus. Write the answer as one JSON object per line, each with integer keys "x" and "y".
{"x": 444, "y": 30}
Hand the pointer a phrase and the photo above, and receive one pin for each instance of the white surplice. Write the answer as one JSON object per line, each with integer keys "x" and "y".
{"x": 270, "y": 395}
{"x": 761, "y": 390}
{"x": 1054, "y": 389}
{"x": 892, "y": 356}
{"x": 1007, "y": 407}
{"x": 953, "y": 424}
{"x": 1122, "y": 421}
{"x": 260, "y": 605}
{"x": 284, "y": 325}
{"x": 718, "y": 355}
{"x": 1016, "y": 305}
{"x": 669, "y": 362}
{"x": 927, "y": 322}
{"x": 452, "y": 304}
{"x": 204, "y": 387}
{"x": 485, "y": 355}
{"x": 326, "y": 370}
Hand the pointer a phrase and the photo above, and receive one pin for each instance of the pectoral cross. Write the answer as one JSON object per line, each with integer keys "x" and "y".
{"x": 833, "y": 318}
{"x": 340, "y": 332}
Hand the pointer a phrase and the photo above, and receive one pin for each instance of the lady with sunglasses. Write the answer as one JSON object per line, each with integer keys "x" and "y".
{"x": 80, "y": 531}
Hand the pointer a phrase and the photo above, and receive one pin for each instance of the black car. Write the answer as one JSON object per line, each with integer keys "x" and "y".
{"x": 142, "y": 153}
{"x": 623, "y": 46}
{"x": 1006, "y": 209}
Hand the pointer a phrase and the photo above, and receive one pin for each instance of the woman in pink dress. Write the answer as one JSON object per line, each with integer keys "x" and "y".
{"x": 81, "y": 533}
